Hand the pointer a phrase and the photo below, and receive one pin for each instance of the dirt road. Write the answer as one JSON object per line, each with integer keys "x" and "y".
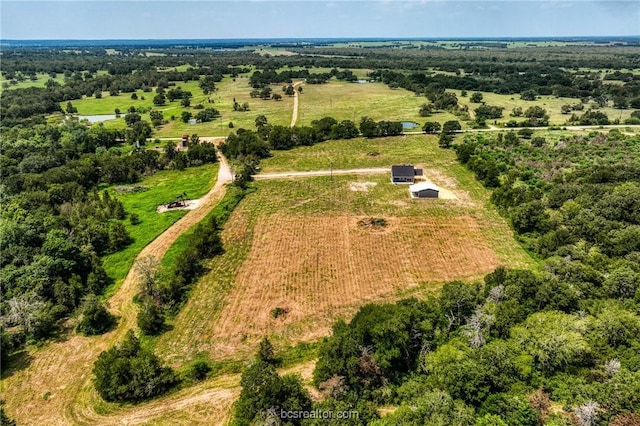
{"x": 294, "y": 116}
{"x": 55, "y": 388}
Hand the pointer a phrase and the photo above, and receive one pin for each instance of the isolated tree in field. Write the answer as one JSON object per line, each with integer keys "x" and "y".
{"x": 261, "y": 121}
{"x": 265, "y": 92}
{"x": 150, "y": 318}
{"x": 185, "y": 102}
{"x": 431, "y": 127}
{"x": 486, "y": 112}
{"x": 159, "y": 99}
{"x": 149, "y": 272}
{"x": 289, "y": 90}
{"x": 451, "y": 126}
{"x": 156, "y": 117}
{"x": 207, "y": 83}
{"x": 535, "y": 112}
{"x": 528, "y": 95}
{"x": 426, "y": 110}
{"x": 276, "y": 96}
{"x": 130, "y": 373}
{"x": 240, "y": 107}
{"x": 185, "y": 116}
{"x": 95, "y": 319}
{"x": 207, "y": 114}
{"x": 476, "y": 97}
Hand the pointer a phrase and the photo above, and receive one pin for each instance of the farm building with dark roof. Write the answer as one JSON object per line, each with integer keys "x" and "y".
{"x": 403, "y": 173}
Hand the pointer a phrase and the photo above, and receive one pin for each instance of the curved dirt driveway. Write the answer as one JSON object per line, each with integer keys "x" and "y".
{"x": 56, "y": 388}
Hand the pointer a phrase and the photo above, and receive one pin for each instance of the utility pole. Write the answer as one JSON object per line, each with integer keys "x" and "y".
{"x": 331, "y": 171}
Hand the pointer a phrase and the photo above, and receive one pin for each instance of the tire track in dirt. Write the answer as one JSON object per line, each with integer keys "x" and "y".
{"x": 56, "y": 389}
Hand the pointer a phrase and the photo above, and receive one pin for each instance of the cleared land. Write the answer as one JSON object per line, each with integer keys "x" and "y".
{"x": 318, "y": 268}
{"x": 361, "y": 153}
{"x": 351, "y": 101}
{"x": 296, "y": 244}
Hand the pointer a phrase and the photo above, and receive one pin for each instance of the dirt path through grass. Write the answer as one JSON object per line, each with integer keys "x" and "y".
{"x": 55, "y": 388}
{"x": 284, "y": 175}
{"x": 294, "y": 116}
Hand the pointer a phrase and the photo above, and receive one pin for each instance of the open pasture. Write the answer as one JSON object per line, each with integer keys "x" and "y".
{"x": 278, "y": 112}
{"x": 40, "y": 81}
{"x": 360, "y": 153}
{"x": 352, "y": 101}
{"x": 550, "y": 103}
{"x": 162, "y": 187}
{"x": 296, "y": 244}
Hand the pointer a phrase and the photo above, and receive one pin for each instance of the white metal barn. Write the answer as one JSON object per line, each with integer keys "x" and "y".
{"x": 424, "y": 190}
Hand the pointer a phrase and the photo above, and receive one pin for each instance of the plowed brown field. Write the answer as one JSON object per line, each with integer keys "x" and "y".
{"x": 319, "y": 268}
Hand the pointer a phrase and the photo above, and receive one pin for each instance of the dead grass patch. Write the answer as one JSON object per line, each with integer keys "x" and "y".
{"x": 323, "y": 267}
{"x": 361, "y": 186}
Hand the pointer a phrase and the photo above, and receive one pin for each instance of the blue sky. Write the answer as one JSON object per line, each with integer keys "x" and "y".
{"x": 152, "y": 19}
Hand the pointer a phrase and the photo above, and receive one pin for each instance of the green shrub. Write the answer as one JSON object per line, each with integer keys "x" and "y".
{"x": 95, "y": 319}
{"x": 129, "y": 373}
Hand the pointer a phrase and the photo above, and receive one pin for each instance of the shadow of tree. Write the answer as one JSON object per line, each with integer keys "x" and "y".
{"x": 17, "y": 361}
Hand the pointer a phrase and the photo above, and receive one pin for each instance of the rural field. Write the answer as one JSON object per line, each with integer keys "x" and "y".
{"x": 551, "y": 104}
{"x": 296, "y": 244}
{"x": 279, "y": 112}
{"x": 298, "y": 256}
{"x": 352, "y": 101}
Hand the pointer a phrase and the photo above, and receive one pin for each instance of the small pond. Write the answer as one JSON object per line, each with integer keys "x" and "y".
{"x": 409, "y": 125}
{"x": 96, "y": 118}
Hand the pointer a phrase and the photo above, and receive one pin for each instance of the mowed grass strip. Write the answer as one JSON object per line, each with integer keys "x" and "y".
{"x": 163, "y": 187}
{"x": 359, "y": 153}
{"x": 295, "y": 244}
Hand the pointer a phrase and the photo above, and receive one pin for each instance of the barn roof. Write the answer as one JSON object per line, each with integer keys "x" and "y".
{"x": 402, "y": 170}
{"x": 422, "y": 186}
